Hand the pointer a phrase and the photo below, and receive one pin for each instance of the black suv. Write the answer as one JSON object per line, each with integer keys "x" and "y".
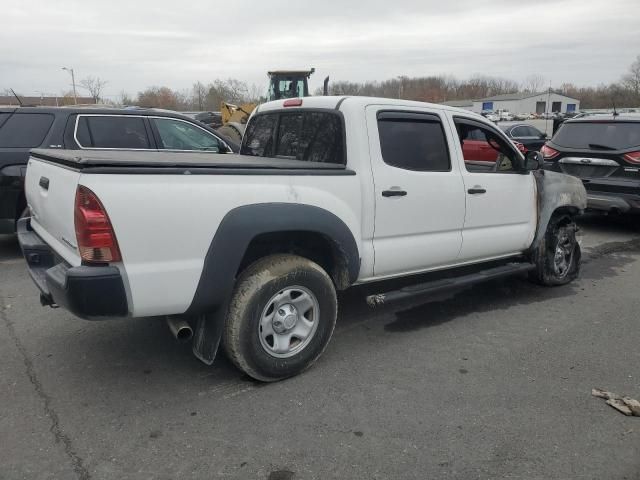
{"x": 22, "y": 129}
{"x": 603, "y": 151}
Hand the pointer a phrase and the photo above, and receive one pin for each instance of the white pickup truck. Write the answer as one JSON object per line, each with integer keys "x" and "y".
{"x": 328, "y": 192}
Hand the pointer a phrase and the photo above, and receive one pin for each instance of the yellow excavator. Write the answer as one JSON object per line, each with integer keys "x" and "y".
{"x": 282, "y": 84}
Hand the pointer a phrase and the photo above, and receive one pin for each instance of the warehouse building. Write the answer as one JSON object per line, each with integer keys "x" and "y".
{"x": 522, "y": 103}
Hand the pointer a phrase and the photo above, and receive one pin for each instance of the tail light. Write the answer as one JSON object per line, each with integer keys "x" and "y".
{"x": 548, "y": 153}
{"x": 632, "y": 157}
{"x": 96, "y": 239}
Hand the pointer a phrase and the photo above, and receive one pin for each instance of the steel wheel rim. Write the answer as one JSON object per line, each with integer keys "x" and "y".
{"x": 563, "y": 254}
{"x": 289, "y": 322}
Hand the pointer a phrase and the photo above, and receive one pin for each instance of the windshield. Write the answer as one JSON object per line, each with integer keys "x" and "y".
{"x": 615, "y": 135}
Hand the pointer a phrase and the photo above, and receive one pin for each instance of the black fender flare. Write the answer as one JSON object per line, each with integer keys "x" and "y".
{"x": 242, "y": 224}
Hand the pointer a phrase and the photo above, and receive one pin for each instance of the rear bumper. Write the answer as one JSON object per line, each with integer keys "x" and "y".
{"x": 608, "y": 194}
{"x": 90, "y": 292}
{"x": 611, "y": 202}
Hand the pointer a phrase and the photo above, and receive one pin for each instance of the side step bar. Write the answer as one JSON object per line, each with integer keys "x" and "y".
{"x": 426, "y": 288}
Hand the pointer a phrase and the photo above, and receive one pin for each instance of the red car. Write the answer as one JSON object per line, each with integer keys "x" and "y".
{"x": 476, "y": 147}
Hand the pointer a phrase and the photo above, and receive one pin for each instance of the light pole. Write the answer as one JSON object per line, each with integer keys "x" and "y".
{"x": 73, "y": 82}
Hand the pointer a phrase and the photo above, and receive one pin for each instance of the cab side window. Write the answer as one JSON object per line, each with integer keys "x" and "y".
{"x": 485, "y": 151}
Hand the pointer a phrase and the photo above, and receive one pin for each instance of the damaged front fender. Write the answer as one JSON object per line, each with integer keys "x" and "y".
{"x": 556, "y": 191}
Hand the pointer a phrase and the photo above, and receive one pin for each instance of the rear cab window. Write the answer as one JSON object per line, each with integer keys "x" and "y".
{"x": 612, "y": 135}
{"x": 24, "y": 130}
{"x": 307, "y": 135}
{"x": 113, "y": 131}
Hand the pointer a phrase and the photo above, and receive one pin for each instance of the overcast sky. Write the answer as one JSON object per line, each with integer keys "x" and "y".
{"x": 138, "y": 43}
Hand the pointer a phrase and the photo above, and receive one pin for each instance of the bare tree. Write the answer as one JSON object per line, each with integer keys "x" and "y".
{"x": 632, "y": 79}
{"x": 94, "y": 85}
{"x": 199, "y": 95}
{"x": 533, "y": 83}
{"x": 124, "y": 99}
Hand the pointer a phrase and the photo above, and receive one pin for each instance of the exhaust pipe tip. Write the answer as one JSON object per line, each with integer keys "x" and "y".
{"x": 180, "y": 329}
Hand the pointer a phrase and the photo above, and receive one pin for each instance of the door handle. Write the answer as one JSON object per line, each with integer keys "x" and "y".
{"x": 44, "y": 183}
{"x": 476, "y": 191}
{"x": 394, "y": 193}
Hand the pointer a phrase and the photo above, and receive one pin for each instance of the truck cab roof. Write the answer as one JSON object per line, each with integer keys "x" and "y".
{"x": 337, "y": 102}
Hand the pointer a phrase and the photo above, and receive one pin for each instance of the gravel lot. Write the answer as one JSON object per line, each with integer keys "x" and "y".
{"x": 489, "y": 382}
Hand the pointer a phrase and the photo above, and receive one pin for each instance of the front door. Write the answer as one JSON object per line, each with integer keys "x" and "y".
{"x": 501, "y": 204}
{"x": 419, "y": 193}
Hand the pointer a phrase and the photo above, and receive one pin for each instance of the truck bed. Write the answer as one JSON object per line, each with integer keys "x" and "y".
{"x": 172, "y": 162}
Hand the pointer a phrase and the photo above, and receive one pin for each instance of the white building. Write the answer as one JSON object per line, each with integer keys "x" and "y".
{"x": 520, "y": 103}
{"x": 528, "y": 103}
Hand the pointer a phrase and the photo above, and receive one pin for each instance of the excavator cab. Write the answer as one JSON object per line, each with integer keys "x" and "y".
{"x": 288, "y": 84}
{"x": 283, "y": 84}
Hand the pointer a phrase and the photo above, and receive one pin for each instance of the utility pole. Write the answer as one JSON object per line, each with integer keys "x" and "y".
{"x": 73, "y": 82}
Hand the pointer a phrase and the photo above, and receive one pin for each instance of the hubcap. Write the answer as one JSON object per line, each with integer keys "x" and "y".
{"x": 288, "y": 322}
{"x": 563, "y": 256}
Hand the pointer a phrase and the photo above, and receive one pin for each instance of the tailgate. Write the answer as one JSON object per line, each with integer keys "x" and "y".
{"x": 50, "y": 190}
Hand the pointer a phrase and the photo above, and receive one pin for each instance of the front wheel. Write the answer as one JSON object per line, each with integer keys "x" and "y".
{"x": 557, "y": 258}
{"x": 281, "y": 317}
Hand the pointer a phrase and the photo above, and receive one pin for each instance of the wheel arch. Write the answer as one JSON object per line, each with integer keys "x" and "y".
{"x": 558, "y": 194}
{"x": 250, "y": 232}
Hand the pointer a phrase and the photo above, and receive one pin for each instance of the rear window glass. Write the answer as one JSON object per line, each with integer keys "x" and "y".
{"x": 616, "y": 135}
{"x": 414, "y": 144}
{"x": 112, "y": 132}
{"x": 25, "y": 130}
{"x": 308, "y": 136}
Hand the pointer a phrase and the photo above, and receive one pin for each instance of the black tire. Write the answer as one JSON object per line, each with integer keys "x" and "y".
{"x": 231, "y": 133}
{"x": 549, "y": 271}
{"x": 255, "y": 289}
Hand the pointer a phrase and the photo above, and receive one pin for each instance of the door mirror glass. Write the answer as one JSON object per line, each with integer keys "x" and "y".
{"x": 533, "y": 161}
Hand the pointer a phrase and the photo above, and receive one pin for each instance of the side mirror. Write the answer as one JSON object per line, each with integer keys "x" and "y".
{"x": 543, "y": 136}
{"x": 533, "y": 161}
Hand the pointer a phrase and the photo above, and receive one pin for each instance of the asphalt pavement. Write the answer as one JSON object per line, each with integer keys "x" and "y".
{"x": 489, "y": 382}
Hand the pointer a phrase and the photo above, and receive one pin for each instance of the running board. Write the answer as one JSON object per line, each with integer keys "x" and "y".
{"x": 426, "y": 288}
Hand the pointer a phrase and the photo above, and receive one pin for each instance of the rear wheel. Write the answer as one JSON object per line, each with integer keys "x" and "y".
{"x": 281, "y": 317}
{"x": 557, "y": 258}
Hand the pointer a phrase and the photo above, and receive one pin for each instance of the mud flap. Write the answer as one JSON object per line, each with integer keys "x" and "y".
{"x": 206, "y": 339}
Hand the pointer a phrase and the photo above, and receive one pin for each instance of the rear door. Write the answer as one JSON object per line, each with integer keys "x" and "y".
{"x": 113, "y": 132}
{"x": 501, "y": 203}
{"x": 419, "y": 193}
